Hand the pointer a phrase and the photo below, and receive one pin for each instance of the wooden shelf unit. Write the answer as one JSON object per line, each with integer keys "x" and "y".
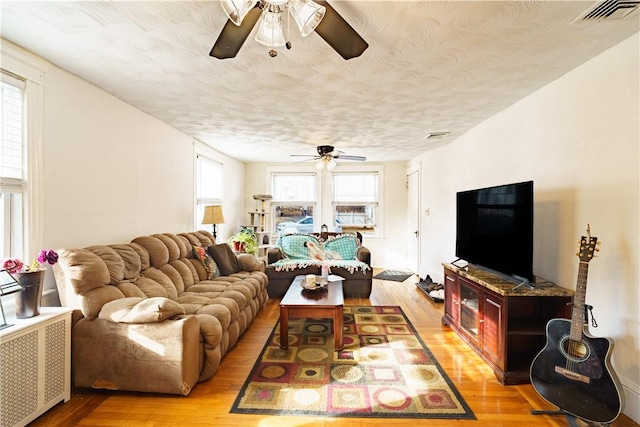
{"x": 506, "y": 327}
{"x": 259, "y": 225}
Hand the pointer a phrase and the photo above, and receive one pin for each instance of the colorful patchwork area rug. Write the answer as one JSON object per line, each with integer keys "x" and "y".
{"x": 384, "y": 371}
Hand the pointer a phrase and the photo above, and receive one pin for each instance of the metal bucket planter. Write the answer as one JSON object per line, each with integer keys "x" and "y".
{"x": 28, "y": 300}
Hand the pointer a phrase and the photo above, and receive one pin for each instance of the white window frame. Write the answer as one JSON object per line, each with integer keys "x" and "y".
{"x": 378, "y": 171}
{"x": 293, "y": 170}
{"x": 13, "y": 186}
{"x": 32, "y": 70}
{"x": 201, "y": 156}
{"x": 374, "y": 204}
{"x": 323, "y": 210}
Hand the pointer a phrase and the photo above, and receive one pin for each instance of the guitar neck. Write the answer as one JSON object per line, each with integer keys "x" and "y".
{"x": 578, "y": 319}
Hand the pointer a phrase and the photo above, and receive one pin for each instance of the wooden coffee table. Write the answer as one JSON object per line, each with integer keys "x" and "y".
{"x": 326, "y": 303}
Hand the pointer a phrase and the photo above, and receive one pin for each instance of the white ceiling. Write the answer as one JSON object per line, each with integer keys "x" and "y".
{"x": 431, "y": 66}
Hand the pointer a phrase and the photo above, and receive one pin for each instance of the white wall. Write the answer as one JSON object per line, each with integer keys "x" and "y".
{"x": 388, "y": 250}
{"x": 112, "y": 172}
{"x": 578, "y": 139}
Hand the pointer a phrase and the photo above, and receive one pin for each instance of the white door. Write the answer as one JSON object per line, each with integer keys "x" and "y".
{"x": 413, "y": 220}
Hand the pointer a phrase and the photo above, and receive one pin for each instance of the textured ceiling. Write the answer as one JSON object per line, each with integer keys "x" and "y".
{"x": 431, "y": 66}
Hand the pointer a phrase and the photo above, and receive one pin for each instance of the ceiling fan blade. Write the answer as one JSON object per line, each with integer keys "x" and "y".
{"x": 343, "y": 157}
{"x": 339, "y": 34}
{"x": 232, "y": 36}
{"x": 305, "y": 155}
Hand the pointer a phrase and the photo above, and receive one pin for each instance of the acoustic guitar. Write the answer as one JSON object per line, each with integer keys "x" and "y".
{"x": 573, "y": 370}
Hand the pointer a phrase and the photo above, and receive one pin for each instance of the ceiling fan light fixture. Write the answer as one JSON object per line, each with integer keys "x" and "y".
{"x": 270, "y": 29}
{"x": 236, "y": 10}
{"x": 327, "y": 162}
{"x": 307, "y": 15}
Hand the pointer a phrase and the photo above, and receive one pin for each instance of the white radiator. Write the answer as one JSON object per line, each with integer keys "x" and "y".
{"x": 35, "y": 368}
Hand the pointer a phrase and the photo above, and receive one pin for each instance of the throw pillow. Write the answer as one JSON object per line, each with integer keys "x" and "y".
{"x": 140, "y": 310}
{"x": 341, "y": 247}
{"x": 209, "y": 264}
{"x": 224, "y": 257}
{"x": 297, "y": 246}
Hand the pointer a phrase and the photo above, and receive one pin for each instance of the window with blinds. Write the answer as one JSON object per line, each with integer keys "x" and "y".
{"x": 294, "y": 202}
{"x": 355, "y": 201}
{"x": 12, "y": 170}
{"x": 209, "y": 186}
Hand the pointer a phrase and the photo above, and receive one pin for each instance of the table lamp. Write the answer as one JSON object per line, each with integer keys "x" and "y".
{"x": 213, "y": 215}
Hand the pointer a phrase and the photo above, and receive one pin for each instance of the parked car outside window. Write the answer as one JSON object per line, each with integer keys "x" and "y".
{"x": 302, "y": 226}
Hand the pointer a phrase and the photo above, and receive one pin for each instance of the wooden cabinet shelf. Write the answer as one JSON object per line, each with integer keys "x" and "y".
{"x": 506, "y": 327}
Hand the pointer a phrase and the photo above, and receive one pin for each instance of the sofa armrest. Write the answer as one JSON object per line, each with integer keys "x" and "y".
{"x": 363, "y": 254}
{"x": 163, "y": 357}
{"x": 273, "y": 255}
{"x": 249, "y": 262}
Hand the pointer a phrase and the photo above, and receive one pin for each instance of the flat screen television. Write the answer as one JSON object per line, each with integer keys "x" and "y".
{"x": 494, "y": 228}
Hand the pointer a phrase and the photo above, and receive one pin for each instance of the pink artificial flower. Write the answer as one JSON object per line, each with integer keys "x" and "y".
{"x": 49, "y": 256}
{"x": 12, "y": 265}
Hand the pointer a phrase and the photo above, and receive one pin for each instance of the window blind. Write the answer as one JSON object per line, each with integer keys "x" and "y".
{"x": 11, "y": 116}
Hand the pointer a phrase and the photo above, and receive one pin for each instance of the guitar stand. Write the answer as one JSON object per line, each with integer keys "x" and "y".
{"x": 571, "y": 419}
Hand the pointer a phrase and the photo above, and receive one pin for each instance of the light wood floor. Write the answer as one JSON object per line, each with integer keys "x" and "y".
{"x": 208, "y": 404}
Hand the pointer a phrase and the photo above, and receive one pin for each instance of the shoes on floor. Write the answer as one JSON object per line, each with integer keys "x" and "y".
{"x": 429, "y": 285}
{"x": 437, "y": 294}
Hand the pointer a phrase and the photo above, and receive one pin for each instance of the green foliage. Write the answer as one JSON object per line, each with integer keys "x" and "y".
{"x": 248, "y": 237}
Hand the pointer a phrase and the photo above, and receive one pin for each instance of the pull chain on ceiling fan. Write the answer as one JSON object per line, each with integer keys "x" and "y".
{"x": 309, "y": 15}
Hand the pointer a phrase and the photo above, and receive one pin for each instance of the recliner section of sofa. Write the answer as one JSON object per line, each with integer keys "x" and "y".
{"x": 152, "y": 317}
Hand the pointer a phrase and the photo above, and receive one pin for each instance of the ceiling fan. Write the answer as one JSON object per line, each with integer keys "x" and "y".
{"x": 326, "y": 157}
{"x": 310, "y": 15}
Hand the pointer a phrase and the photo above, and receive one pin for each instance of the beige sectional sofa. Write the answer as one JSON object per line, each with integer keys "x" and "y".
{"x": 155, "y": 315}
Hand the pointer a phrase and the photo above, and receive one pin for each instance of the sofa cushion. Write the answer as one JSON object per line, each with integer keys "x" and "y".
{"x": 224, "y": 257}
{"x": 140, "y": 310}
{"x": 207, "y": 261}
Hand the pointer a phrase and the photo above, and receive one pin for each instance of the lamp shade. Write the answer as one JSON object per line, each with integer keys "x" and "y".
{"x": 326, "y": 162}
{"x": 213, "y": 215}
{"x": 307, "y": 15}
{"x": 236, "y": 10}
{"x": 270, "y": 29}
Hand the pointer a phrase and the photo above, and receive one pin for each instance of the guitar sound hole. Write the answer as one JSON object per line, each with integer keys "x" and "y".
{"x": 576, "y": 351}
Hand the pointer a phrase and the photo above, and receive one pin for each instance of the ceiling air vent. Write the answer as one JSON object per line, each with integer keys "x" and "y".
{"x": 609, "y": 10}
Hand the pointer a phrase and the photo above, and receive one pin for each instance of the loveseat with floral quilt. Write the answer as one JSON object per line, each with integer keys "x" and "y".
{"x": 302, "y": 254}
{"x": 159, "y": 313}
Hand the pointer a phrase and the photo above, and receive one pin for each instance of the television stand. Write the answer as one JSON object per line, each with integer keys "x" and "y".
{"x": 505, "y": 326}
